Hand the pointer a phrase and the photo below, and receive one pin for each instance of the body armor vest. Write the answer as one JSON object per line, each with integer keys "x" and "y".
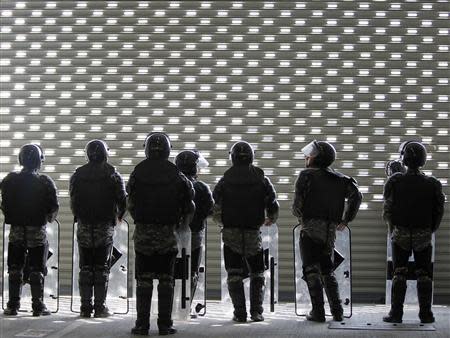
{"x": 413, "y": 201}
{"x": 325, "y": 198}
{"x": 95, "y": 194}
{"x": 24, "y": 199}
{"x": 157, "y": 197}
{"x": 243, "y": 200}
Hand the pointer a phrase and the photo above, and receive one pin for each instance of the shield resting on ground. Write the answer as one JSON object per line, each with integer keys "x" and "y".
{"x": 343, "y": 272}
{"x": 181, "y": 309}
{"x": 269, "y": 236}
{"x": 117, "y": 296}
{"x": 51, "y": 283}
{"x": 411, "y": 291}
{"x": 198, "y": 303}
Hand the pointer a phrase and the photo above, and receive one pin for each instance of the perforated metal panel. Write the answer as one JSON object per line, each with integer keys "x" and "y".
{"x": 364, "y": 75}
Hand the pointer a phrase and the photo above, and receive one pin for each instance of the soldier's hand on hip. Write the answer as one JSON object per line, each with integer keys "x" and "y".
{"x": 341, "y": 226}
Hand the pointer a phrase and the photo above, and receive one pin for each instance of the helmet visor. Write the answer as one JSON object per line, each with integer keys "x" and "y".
{"x": 311, "y": 149}
{"x": 202, "y": 162}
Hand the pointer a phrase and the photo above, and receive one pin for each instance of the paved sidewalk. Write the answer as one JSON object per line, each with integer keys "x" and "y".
{"x": 217, "y": 323}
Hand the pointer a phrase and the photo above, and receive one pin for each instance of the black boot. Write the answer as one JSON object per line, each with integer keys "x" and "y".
{"x": 425, "y": 294}
{"x": 143, "y": 304}
{"x": 332, "y": 290}
{"x": 256, "y": 298}
{"x": 15, "y": 290}
{"x": 85, "y": 285}
{"x": 317, "y": 313}
{"x": 100, "y": 290}
{"x": 37, "y": 294}
{"x": 236, "y": 291}
{"x": 165, "y": 302}
{"x": 398, "y": 293}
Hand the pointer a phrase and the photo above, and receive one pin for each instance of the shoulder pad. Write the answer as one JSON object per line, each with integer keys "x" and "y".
{"x": 46, "y": 179}
{"x": 395, "y": 178}
{"x": 259, "y": 172}
{"x": 308, "y": 171}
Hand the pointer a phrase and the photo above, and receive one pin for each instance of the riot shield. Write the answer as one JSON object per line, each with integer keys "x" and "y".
{"x": 117, "y": 296}
{"x": 269, "y": 236}
{"x": 343, "y": 272}
{"x": 51, "y": 283}
{"x": 182, "y": 291}
{"x": 198, "y": 303}
{"x": 411, "y": 291}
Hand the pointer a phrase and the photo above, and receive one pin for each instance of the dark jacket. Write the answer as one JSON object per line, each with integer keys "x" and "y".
{"x": 28, "y": 198}
{"x": 413, "y": 200}
{"x": 245, "y": 197}
{"x": 97, "y": 194}
{"x": 159, "y": 193}
{"x": 203, "y": 205}
{"x": 320, "y": 193}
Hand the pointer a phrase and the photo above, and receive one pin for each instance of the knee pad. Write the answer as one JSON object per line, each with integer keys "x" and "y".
{"x": 235, "y": 275}
{"x": 36, "y": 277}
{"x": 311, "y": 271}
{"x": 329, "y": 278}
{"x": 257, "y": 277}
{"x": 166, "y": 280}
{"x": 86, "y": 277}
{"x": 16, "y": 276}
{"x": 101, "y": 276}
{"x": 422, "y": 276}
{"x": 400, "y": 274}
{"x": 145, "y": 279}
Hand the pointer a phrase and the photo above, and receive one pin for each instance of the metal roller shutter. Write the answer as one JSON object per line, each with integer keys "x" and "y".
{"x": 365, "y": 75}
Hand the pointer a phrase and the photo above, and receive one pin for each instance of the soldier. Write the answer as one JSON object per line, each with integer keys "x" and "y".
{"x": 29, "y": 201}
{"x": 413, "y": 209}
{"x": 319, "y": 204}
{"x": 188, "y": 162}
{"x": 98, "y": 203}
{"x": 245, "y": 200}
{"x": 394, "y": 166}
{"x": 160, "y": 199}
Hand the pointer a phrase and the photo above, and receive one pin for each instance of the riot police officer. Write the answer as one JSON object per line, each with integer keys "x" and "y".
{"x": 413, "y": 209}
{"x": 160, "y": 199}
{"x": 319, "y": 204}
{"x": 29, "y": 201}
{"x": 188, "y": 162}
{"x": 245, "y": 199}
{"x": 98, "y": 203}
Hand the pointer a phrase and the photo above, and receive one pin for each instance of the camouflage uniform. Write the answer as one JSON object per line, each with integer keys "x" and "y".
{"x": 244, "y": 197}
{"x": 160, "y": 199}
{"x": 28, "y": 237}
{"x": 413, "y": 209}
{"x": 319, "y": 204}
{"x": 98, "y": 200}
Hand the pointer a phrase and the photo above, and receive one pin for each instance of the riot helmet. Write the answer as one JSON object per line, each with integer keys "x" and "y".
{"x": 394, "y": 166}
{"x": 413, "y": 154}
{"x": 157, "y": 146}
{"x": 322, "y": 152}
{"x": 188, "y": 161}
{"x": 97, "y": 151}
{"x": 242, "y": 153}
{"x": 31, "y": 156}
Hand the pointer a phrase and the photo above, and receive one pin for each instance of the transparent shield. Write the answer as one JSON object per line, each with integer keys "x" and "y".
{"x": 343, "y": 274}
{"x": 51, "y": 283}
{"x": 270, "y": 247}
{"x": 411, "y": 291}
{"x": 182, "y": 291}
{"x": 117, "y": 296}
{"x": 198, "y": 304}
